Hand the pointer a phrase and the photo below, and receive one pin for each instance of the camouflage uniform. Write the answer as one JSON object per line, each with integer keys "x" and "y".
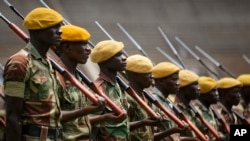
{"x": 229, "y": 116}
{"x": 72, "y": 99}
{"x": 208, "y": 116}
{"x": 35, "y": 82}
{"x": 243, "y": 109}
{"x": 191, "y": 116}
{"x": 112, "y": 130}
{"x": 137, "y": 113}
{"x": 167, "y": 123}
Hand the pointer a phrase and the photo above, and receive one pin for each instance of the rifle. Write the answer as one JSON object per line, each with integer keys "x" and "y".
{"x": 14, "y": 9}
{"x": 65, "y": 22}
{"x": 67, "y": 74}
{"x": 206, "y": 123}
{"x": 109, "y": 36}
{"x": 216, "y": 63}
{"x": 241, "y": 117}
{"x": 133, "y": 41}
{"x": 164, "y": 109}
{"x": 169, "y": 57}
{"x": 128, "y": 89}
{"x": 44, "y": 4}
{"x": 246, "y": 58}
{"x": 135, "y": 96}
{"x": 55, "y": 65}
{"x": 220, "y": 118}
{"x": 196, "y": 57}
{"x": 198, "y": 133}
{"x": 172, "y": 47}
{"x": 17, "y": 30}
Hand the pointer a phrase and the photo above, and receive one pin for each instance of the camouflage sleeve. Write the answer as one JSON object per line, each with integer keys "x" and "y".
{"x": 14, "y": 76}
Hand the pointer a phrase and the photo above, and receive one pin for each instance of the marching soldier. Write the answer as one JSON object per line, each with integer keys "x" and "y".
{"x": 209, "y": 96}
{"x": 30, "y": 86}
{"x": 229, "y": 93}
{"x": 74, "y": 49}
{"x": 244, "y": 106}
{"x": 110, "y": 59}
{"x": 166, "y": 77}
{"x": 188, "y": 90}
{"x": 139, "y": 74}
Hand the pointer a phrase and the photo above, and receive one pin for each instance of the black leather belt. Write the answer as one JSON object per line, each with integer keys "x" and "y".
{"x": 34, "y": 130}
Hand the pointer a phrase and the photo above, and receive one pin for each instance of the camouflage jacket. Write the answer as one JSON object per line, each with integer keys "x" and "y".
{"x": 137, "y": 113}
{"x": 167, "y": 123}
{"x": 71, "y": 99}
{"x": 113, "y": 130}
{"x": 29, "y": 76}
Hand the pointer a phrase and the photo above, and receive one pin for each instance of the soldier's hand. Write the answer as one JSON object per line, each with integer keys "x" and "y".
{"x": 116, "y": 118}
{"x": 101, "y": 103}
{"x": 152, "y": 122}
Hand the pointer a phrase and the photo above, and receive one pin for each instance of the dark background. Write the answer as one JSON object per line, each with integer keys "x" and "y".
{"x": 219, "y": 27}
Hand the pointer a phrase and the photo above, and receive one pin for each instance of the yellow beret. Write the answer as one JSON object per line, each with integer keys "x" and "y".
{"x": 74, "y": 33}
{"x": 104, "y": 50}
{"x": 164, "y": 69}
{"x": 139, "y": 64}
{"x": 187, "y": 77}
{"x": 228, "y": 82}
{"x": 41, "y": 18}
{"x": 244, "y": 79}
{"x": 206, "y": 84}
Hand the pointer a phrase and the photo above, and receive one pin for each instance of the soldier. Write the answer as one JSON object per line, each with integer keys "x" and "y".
{"x": 188, "y": 90}
{"x": 209, "y": 96}
{"x": 229, "y": 93}
{"x": 110, "y": 59}
{"x": 139, "y": 74}
{"x": 74, "y": 49}
{"x": 138, "y": 71}
{"x": 166, "y": 82}
{"x": 244, "y": 106}
{"x": 30, "y": 86}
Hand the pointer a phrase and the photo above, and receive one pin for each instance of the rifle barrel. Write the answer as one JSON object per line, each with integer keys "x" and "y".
{"x": 169, "y": 57}
{"x": 109, "y": 36}
{"x": 172, "y": 47}
{"x": 14, "y": 9}
{"x": 215, "y": 62}
{"x": 196, "y": 56}
{"x": 133, "y": 41}
{"x": 246, "y": 58}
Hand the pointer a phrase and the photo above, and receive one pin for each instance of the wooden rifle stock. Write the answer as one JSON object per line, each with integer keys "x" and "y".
{"x": 198, "y": 133}
{"x": 91, "y": 85}
{"x": 133, "y": 94}
{"x": 241, "y": 117}
{"x": 65, "y": 73}
{"x": 206, "y": 123}
{"x": 221, "y": 119}
{"x": 17, "y": 30}
{"x": 73, "y": 80}
{"x": 164, "y": 109}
